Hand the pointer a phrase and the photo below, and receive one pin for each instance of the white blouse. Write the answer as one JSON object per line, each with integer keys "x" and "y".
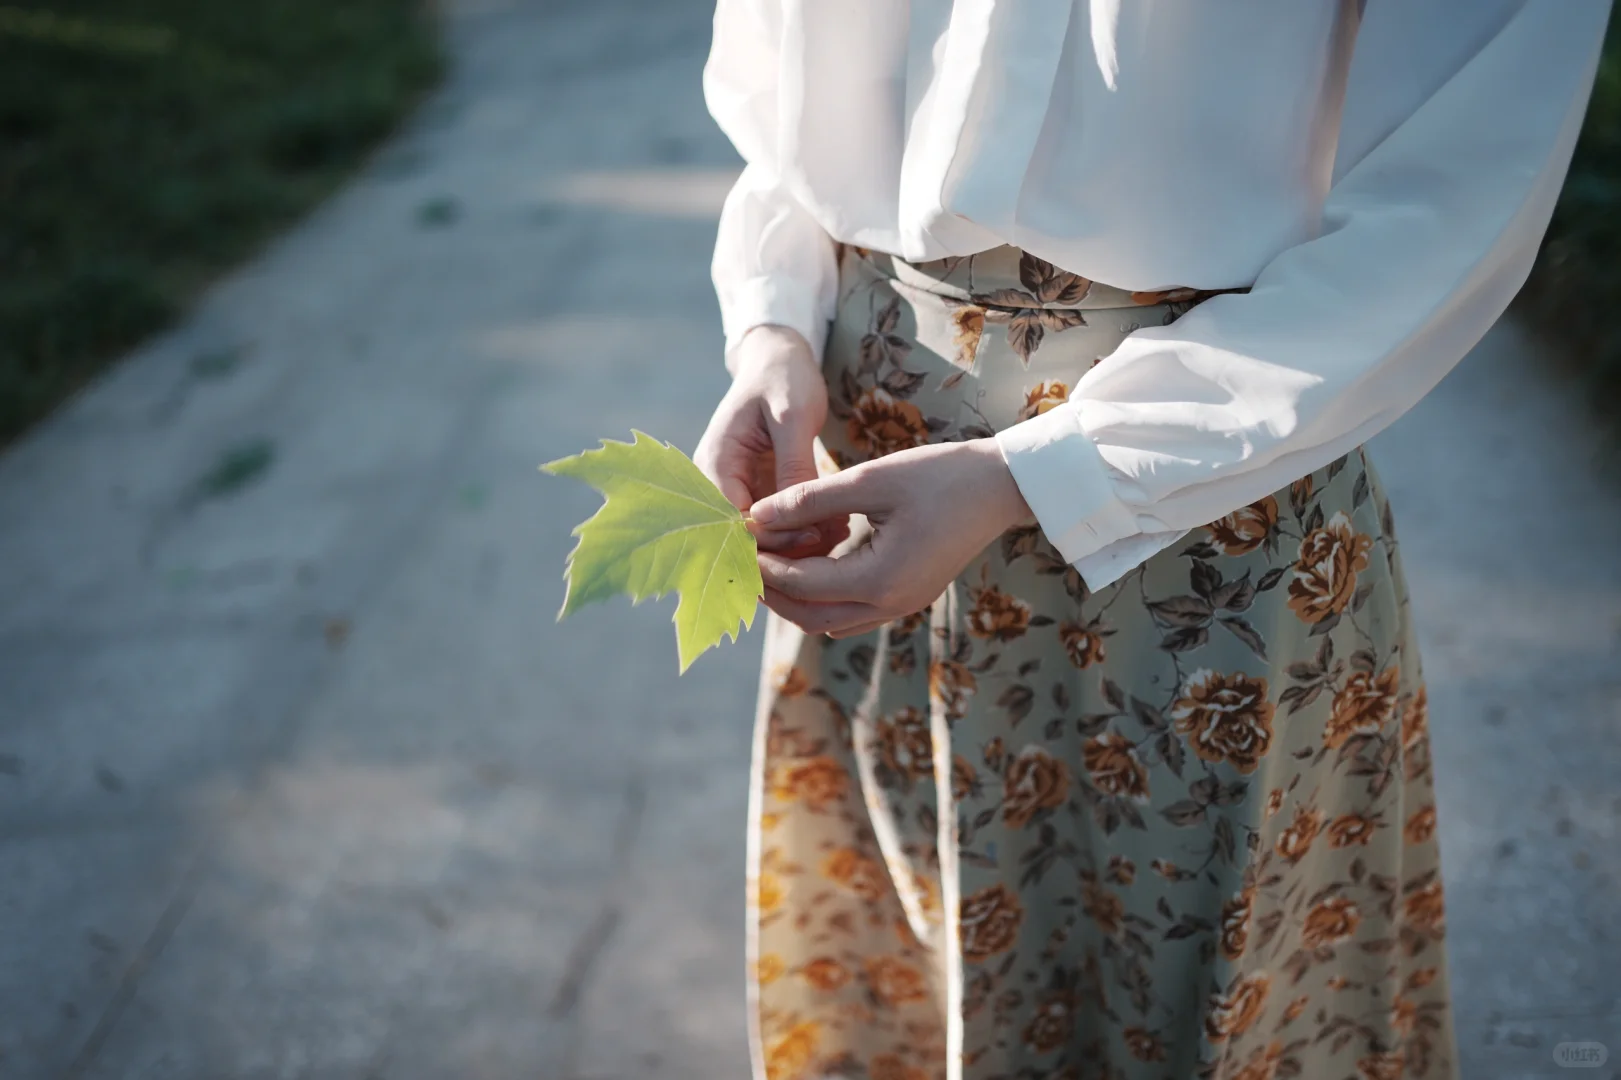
{"x": 1381, "y": 172}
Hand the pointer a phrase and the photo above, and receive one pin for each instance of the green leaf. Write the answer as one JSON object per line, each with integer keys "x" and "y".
{"x": 664, "y": 528}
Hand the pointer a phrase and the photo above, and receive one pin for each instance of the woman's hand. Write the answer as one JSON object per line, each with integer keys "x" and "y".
{"x": 932, "y": 510}
{"x": 760, "y": 439}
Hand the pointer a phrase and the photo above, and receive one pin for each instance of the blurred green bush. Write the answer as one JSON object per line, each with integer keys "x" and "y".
{"x": 147, "y": 144}
{"x": 1578, "y": 273}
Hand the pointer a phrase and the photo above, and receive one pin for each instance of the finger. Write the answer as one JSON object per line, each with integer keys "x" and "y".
{"x": 855, "y": 577}
{"x": 833, "y": 534}
{"x": 785, "y": 542}
{"x": 854, "y": 491}
{"x": 818, "y": 618}
{"x": 793, "y": 443}
{"x": 735, "y": 490}
{"x": 828, "y": 533}
{"x": 822, "y": 542}
{"x": 760, "y": 473}
{"x": 726, "y": 471}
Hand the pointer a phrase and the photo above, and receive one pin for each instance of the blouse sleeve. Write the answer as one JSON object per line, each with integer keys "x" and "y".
{"x": 773, "y": 263}
{"x": 1447, "y": 174}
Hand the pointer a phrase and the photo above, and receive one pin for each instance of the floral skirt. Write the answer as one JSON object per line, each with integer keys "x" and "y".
{"x": 1180, "y": 827}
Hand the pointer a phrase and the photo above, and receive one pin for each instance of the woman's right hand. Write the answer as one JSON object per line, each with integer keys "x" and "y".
{"x": 761, "y": 438}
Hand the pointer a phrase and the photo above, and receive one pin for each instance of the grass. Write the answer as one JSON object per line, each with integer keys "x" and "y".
{"x": 1575, "y": 289}
{"x": 146, "y": 145}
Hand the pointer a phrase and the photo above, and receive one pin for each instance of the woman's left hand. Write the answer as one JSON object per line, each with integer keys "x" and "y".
{"x": 932, "y": 510}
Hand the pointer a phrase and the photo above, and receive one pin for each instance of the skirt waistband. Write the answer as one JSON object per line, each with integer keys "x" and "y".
{"x": 1008, "y": 277}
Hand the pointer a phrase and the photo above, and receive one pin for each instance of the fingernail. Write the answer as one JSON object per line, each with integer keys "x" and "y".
{"x": 763, "y": 512}
{"x": 806, "y": 538}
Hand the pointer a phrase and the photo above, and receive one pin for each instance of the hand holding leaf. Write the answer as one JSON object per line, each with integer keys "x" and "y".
{"x": 663, "y": 528}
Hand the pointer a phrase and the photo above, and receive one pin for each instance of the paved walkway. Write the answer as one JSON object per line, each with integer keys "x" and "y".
{"x": 298, "y": 778}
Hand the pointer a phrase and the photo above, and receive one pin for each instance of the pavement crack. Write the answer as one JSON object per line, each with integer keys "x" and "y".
{"x": 582, "y": 961}
{"x": 147, "y": 955}
{"x": 588, "y": 949}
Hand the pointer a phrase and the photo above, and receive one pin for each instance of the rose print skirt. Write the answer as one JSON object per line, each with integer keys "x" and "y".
{"x": 1180, "y": 827}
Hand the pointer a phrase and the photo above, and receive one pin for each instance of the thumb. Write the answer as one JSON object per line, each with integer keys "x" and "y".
{"x": 721, "y": 463}
{"x": 792, "y": 445}
{"x": 852, "y": 491}
{"x": 735, "y": 490}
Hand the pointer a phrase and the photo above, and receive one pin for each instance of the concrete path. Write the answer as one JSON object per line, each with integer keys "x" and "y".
{"x": 298, "y": 778}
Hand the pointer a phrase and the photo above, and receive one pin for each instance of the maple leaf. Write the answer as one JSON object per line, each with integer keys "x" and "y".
{"x": 662, "y": 528}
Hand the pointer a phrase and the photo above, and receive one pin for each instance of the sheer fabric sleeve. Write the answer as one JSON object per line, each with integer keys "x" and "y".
{"x": 773, "y": 262}
{"x": 1447, "y": 173}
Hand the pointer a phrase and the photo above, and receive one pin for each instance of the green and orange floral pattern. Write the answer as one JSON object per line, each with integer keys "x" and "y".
{"x": 1180, "y": 827}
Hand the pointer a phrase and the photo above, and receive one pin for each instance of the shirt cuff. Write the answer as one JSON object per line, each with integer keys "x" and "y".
{"x": 1107, "y": 565}
{"x": 773, "y": 301}
{"x": 1066, "y": 482}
